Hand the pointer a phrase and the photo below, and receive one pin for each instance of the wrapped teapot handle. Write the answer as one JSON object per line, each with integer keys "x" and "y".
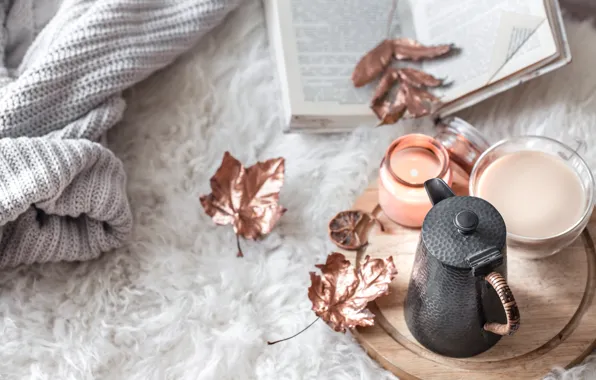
{"x": 500, "y": 285}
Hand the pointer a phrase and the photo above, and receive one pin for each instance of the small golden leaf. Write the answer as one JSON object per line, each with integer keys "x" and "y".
{"x": 341, "y": 294}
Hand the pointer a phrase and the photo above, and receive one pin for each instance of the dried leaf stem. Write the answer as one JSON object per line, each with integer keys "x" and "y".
{"x": 295, "y": 335}
{"x": 239, "y": 254}
{"x": 341, "y": 293}
{"x": 375, "y": 220}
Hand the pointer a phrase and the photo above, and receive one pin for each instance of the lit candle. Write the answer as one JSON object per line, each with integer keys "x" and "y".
{"x": 409, "y": 161}
{"x": 413, "y": 164}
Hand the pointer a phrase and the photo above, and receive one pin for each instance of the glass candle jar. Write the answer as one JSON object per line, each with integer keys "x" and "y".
{"x": 463, "y": 142}
{"x": 543, "y": 189}
{"x": 409, "y": 161}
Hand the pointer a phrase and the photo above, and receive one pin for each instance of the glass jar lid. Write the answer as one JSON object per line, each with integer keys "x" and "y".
{"x": 463, "y": 142}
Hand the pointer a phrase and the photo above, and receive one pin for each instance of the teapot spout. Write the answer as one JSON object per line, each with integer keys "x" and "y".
{"x": 437, "y": 190}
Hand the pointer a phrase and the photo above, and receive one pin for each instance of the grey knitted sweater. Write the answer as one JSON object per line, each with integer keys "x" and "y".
{"x": 62, "y": 193}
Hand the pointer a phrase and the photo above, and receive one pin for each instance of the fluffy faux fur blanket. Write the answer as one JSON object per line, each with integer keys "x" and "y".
{"x": 176, "y": 302}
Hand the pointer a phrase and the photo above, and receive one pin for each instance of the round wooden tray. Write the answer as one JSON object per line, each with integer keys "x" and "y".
{"x": 555, "y": 297}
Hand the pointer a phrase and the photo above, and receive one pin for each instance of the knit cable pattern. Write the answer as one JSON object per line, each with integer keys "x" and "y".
{"x": 62, "y": 194}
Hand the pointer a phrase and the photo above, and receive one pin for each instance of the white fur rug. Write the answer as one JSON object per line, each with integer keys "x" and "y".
{"x": 178, "y": 303}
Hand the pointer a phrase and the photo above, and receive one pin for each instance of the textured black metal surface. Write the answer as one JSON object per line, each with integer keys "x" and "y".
{"x": 443, "y": 240}
{"x": 446, "y": 307}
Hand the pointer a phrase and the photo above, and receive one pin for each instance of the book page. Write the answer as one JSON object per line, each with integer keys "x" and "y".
{"x": 317, "y": 43}
{"x": 329, "y": 40}
{"x": 497, "y": 38}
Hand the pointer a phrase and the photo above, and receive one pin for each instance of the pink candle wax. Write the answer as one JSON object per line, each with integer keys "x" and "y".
{"x": 415, "y": 165}
{"x": 409, "y": 161}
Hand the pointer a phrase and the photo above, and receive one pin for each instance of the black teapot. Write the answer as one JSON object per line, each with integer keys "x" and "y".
{"x": 458, "y": 302}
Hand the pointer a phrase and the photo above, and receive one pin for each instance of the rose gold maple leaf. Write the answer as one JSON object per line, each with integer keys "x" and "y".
{"x": 246, "y": 198}
{"x": 341, "y": 294}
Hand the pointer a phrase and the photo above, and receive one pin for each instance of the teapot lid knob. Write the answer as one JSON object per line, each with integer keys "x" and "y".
{"x": 458, "y": 227}
{"x": 466, "y": 221}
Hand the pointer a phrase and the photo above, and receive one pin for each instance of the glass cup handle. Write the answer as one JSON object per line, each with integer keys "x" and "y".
{"x": 499, "y": 283}
{"x": 580, "y": 148}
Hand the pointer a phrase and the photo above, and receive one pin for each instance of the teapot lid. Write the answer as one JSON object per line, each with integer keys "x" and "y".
{"x": 458, "y": 227}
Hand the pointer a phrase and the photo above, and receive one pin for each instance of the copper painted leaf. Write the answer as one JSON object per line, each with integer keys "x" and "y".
{"x": 373, "y": 63}
{"x": 412, "y": 99}
{"x": 390, "y": 113}
{"x": 418, "y": 101}
{"x": 411, "y": 96}
{"x": 387, "y": 81}
{"x": 418, "y": 78}
{"x": 410, "y": 102}
{"x": 414, "y": 107}
{"x": 341, "y": 293}
{"x": 407, "y": 49}
{"x": 246, "y": 198}
{"x": 381, "y": 108}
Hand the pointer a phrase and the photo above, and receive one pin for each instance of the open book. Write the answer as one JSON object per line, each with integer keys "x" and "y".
{"x": 317, "y": 43}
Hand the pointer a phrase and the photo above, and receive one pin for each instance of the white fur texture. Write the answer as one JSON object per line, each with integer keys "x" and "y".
{"x": 177, "y": 303}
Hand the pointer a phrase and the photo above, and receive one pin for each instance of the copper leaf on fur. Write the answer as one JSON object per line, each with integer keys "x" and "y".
{"x": 246, "y": 198}
{"x": 341, "y": 293}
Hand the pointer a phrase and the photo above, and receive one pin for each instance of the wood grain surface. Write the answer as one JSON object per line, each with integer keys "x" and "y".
{"x": 555, "y": 297}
